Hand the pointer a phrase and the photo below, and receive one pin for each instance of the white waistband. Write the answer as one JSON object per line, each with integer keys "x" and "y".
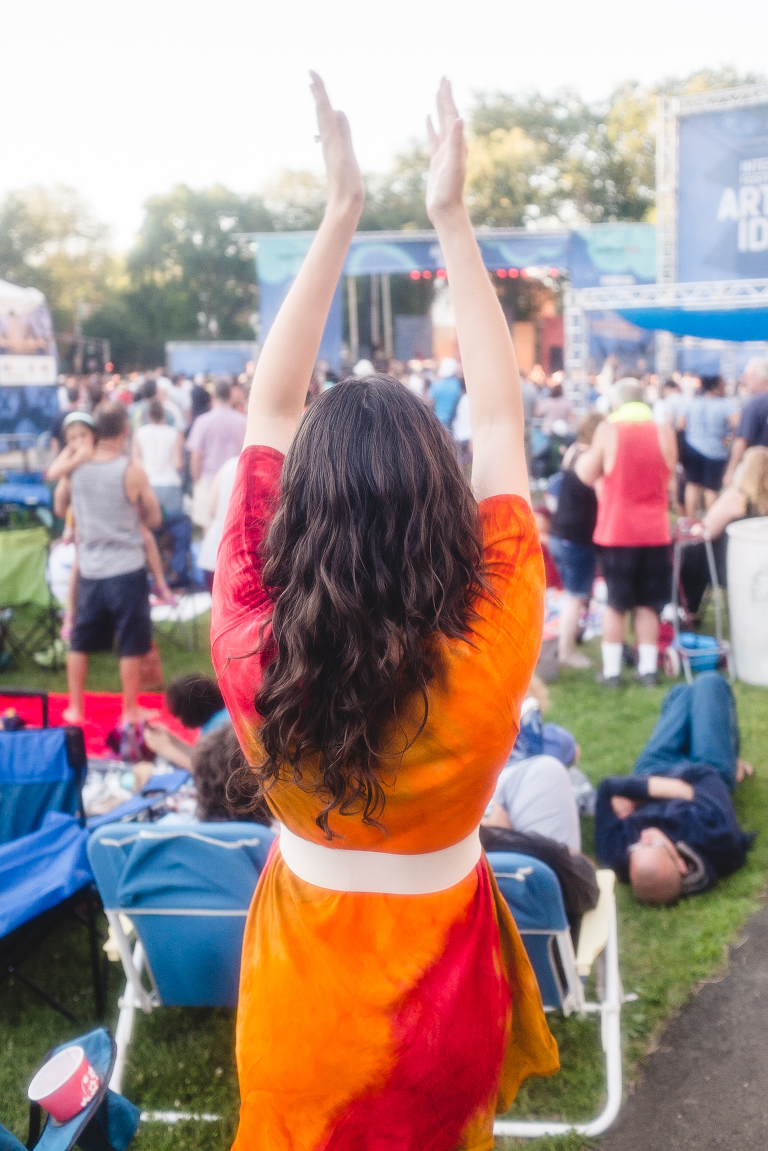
{"x": 380, "y": 872}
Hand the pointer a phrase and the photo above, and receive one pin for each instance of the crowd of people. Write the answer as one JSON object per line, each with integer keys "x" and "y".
{"x": 139, "y": 453}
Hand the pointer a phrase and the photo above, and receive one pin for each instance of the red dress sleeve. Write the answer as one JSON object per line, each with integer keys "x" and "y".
{"x": 240, "y": 601}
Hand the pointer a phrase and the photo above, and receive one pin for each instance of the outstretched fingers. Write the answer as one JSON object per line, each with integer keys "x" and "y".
{"x": 325, "y": 115}
{"x": 447, "y": 111}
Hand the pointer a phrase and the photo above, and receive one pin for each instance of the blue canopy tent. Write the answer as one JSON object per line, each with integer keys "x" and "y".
{"x": 735, "y": 324}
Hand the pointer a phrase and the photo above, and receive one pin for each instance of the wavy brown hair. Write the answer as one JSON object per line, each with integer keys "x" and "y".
{"x": 374, "y": 553}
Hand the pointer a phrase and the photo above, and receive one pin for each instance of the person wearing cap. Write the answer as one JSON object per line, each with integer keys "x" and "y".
{"x": 445, "y": 393}
{"x": 635, "y": 460}
{"x": 670, "y": 828}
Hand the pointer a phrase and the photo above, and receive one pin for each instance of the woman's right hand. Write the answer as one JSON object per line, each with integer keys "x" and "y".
{"x": 345, "y": 184}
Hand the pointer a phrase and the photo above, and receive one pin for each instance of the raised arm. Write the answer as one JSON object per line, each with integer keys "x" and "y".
{"x": 730, "y": 505}
{"x": 69, "y": 458}
{"x": 487, "y": 354}
{"x": 290, "y": 350}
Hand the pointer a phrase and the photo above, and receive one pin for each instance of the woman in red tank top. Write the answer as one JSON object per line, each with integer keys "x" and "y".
{"x": 632, "y": 507}
{"x": 634, "y": 459}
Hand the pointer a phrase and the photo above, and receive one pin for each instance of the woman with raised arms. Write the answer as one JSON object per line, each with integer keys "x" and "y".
{"x": 375, "y": 626}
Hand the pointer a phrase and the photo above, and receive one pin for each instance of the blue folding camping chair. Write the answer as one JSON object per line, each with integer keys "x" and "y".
{"x": 185, "y": 892}
{"x": 44, "y": 870}
{"x": 533, "y": 895}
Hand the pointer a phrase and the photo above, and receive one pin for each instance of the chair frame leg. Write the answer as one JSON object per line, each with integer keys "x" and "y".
{"x": 134, "y": 996}
{"x": 33, "y": 986}
{"x": 609, "y": 1010}
{"x": 33, "y": 934}
{"x": 98, "y": 969}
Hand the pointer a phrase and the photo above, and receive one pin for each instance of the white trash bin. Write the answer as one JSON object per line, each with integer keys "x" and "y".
{"x": 748, "y": 598}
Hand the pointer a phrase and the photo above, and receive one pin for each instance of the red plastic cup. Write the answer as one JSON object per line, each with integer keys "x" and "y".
{"x": 65, "y": 1085}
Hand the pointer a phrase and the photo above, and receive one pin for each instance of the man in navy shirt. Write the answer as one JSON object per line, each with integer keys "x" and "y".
{"x": 670, "y": 828}
{"x": 753, "y": 428}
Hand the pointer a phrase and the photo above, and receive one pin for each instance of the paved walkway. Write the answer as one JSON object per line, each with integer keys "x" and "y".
{"x": 706, "y": 1088}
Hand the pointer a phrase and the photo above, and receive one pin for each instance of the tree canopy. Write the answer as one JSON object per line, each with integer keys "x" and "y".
{"x": 50, "y": 240}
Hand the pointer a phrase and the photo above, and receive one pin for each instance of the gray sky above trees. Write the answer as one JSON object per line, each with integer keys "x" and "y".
{"x": 124, "y": 100}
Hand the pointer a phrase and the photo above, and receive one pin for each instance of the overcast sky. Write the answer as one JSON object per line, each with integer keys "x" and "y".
{"x": 124, "y": 99}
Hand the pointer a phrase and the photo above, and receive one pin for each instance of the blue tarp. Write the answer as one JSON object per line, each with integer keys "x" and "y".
{"x": 717, "y": 324}
{"x": 31, "y": 495}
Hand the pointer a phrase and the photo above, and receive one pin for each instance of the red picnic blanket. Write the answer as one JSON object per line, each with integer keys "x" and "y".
{"x": 102, "y": 714}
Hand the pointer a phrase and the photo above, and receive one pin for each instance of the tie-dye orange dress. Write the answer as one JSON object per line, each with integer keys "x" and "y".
{"x": 372, "y": 1022}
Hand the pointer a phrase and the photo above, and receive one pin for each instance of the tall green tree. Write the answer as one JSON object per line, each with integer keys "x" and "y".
{"x": 187, "y": 275}
{"x": 50, "y": 240}
{"x": 562, "y": 160}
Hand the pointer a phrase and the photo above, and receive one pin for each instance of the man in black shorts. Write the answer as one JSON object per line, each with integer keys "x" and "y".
{"x": 111, "y": 496}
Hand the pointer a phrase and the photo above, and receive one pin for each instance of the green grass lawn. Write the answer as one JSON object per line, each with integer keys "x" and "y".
{"x": 184, "y": 1059}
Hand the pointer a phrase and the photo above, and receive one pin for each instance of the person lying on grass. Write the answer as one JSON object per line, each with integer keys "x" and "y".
{"x": 670, "y": 828}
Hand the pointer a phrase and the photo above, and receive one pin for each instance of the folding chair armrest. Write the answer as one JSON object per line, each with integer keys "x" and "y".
{"x": 595, "y": 924}
{"x": 127, "y": 809}
{"x": 30, "y": 693}
{"x": 169, "y": 782}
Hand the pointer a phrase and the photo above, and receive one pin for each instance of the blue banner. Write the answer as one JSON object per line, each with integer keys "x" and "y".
{"x": 723, "y": 195}
{"x": 608, "y": 255}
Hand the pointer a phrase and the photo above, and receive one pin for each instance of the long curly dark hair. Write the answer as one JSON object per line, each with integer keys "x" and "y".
{"x": 373, "y": 555}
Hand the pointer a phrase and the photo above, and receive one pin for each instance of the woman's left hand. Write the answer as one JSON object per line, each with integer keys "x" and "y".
{"x": 345, "y": 184}
{"x": 448, "y": 163}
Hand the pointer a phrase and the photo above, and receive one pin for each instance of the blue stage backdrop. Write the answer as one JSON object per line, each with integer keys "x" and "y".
{"x": 601, "y": 254}
{"x": 723, "y": 195}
